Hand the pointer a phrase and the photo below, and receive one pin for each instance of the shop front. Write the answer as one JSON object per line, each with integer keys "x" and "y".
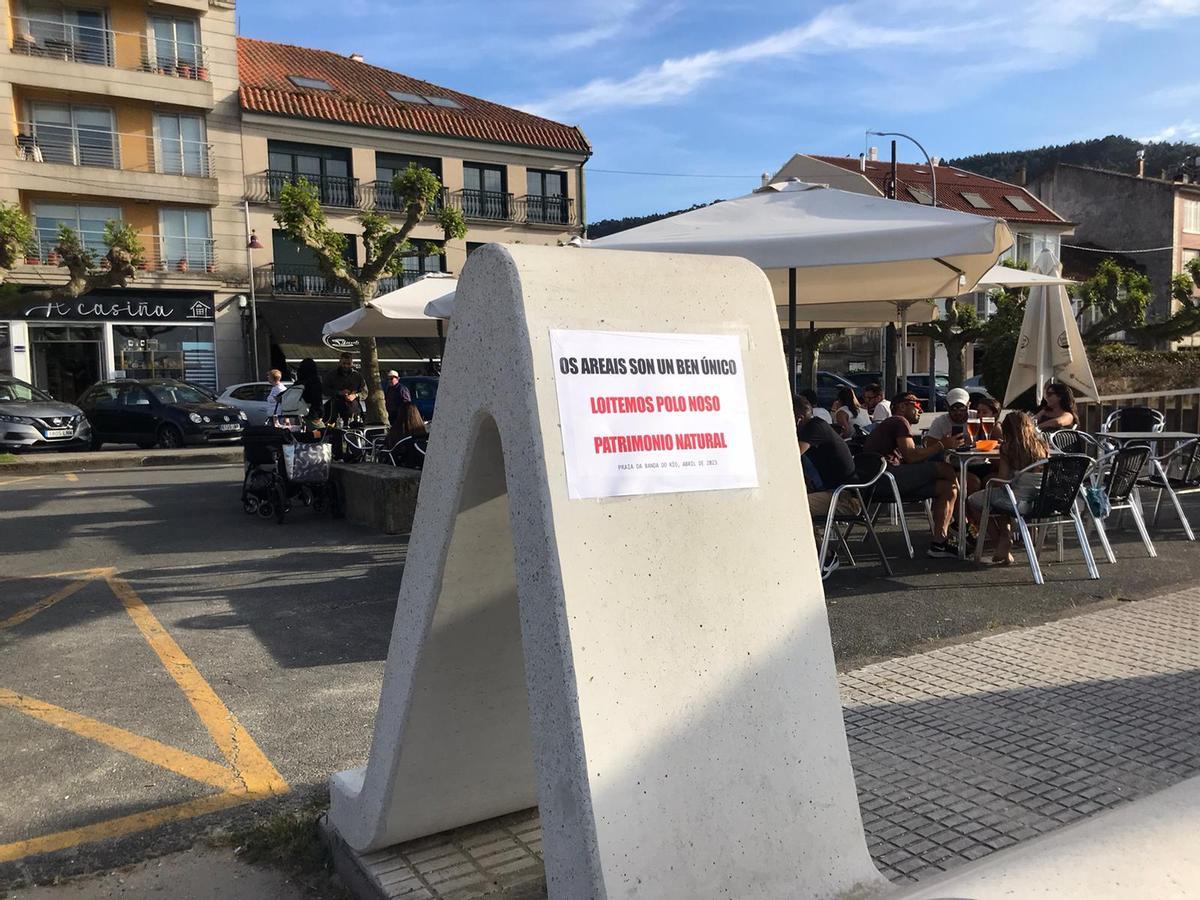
{"x": 65, "y": 346}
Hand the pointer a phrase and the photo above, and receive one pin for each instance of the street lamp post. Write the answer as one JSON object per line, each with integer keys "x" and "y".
{"x": 252, "y": 244}
{"x": 904, "y": 309}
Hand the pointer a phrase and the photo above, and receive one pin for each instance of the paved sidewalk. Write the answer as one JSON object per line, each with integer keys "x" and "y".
{"x": 44, "y": 463}
{"x": 957, "y": 753}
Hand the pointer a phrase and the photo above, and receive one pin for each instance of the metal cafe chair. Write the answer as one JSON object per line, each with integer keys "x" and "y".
{"x": 1134, "y": 418}
{"x": 1116, "y": 474}
{"x": 1173, "y": 474}
{"x": 869, "y": 468}
{"x": 1071, "y": 441}
{"x": 1063, "y": 475}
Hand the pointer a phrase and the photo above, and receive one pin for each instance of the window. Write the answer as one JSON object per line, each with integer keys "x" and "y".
{"x": 294, "y": 269}
{"x": 389, "y": 165}
{"x": 185, "y": 241}
{"x": 255, "y": 392}
{"x": 405, "y": 97}
{"x": 75, "y": 135}
{"x": 444, "y": 102}
{"x": 180, "y": 145}
{"x": 88, "y": 222}
{"x": 546, "y": 199}
{"x": 79, "y": 35}
{"x": 1191, "y": 216}
{"x": 315, "y": 84}
{"x": 1019, "y": 202}
{"x": 976, "y": 200}
{"x": 424, "y": 99}
{"x": 485, "y": 191}
{"x": 425, "y": 257}
{"x": 472, "y": 246}
{"x": 176, "y": 43}
{"x": 326, "y": 168}
{"x": 921, "y": 195}
{"x": 183, "y": 352}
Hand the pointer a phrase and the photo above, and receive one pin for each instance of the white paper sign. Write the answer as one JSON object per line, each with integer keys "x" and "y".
{"x": 652, "y": 413}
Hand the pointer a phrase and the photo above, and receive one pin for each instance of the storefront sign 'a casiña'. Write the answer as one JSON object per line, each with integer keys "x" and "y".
{"x": 124, "y": 309}
{"x": 650, "y": 413}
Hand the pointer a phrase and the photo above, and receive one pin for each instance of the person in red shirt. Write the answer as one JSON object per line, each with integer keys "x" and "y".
{"x": 919, "y": 472}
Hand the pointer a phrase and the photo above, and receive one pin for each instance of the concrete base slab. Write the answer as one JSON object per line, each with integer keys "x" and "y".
{"x": 1148, "y": 848}
{"x": 501, "y": 858}
{"x": 48, "y": 463}
{"x": 379, "y": 496}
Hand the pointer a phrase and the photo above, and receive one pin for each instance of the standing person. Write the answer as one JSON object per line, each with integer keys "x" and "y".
{"x": 848, "y": 414}
{"x": 396, "y": 397}
{"x": 1058, "y": 409}
{"x": 275, "y": 379}
{"x": 919, "y": 474}
{"x": 878, "y": 408}
{"x": 1021, "y": 446}
{"x": 308, "y": 376}
{"x": 344, "y": 385}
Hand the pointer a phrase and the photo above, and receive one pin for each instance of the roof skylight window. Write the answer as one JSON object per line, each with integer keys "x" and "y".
{"x": 444, "y": 102}
{"x": 315, "y": 84}
{"x": 405, "y": 97}
{"x": 976, "y": 200}
{"x": 921, "y": 195}
{"x": 1019, "y": 202}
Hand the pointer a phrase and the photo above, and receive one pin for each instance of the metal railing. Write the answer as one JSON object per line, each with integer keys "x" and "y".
{"x": 57, "y": 39}
{"x": 487, "y": 205}
{"x": 380, "y": 195}
{"x": 161, "y": 252}
{"x": 537, "y": 209}
{"x": 273, "y": 280}
{"x": 332, "y": 190}
{"x": 77, "y": 145}
{"x": 1181, "y": 408}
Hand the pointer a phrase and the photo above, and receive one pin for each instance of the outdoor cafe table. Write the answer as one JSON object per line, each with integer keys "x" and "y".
{"x": 1129, "y": 437}
{"x": 964, "y": 458}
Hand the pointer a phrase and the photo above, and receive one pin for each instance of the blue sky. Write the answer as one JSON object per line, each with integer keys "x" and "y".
{"x": 734, "y": 88}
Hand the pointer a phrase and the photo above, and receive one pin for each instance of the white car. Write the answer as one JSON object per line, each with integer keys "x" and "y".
{"x": 251, "y": 398}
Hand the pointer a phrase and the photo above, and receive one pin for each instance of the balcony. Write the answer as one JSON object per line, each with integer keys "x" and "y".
{"x": 168, "y": 254}
{"x": 332, "y": 190}
{"x": 272, "y": 280}
{"x": 381, "y": 196}
{"x": 50, "y": 53}
{"x": 537, "y": 209}
{"x": 488, "y": 206}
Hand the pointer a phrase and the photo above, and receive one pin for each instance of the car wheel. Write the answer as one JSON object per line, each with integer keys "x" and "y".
{"x": 169, "y": 437}
{"x": 94, "y": 443}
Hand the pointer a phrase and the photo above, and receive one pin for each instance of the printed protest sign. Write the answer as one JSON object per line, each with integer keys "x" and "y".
{"x": 652, "y": 413}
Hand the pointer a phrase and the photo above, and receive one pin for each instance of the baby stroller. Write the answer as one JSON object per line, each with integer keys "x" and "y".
{"x": 283, "y": 468}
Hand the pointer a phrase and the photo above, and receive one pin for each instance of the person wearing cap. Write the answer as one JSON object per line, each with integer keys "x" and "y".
{"x": 396, "y": 397}
{"x": 942, "y": 430}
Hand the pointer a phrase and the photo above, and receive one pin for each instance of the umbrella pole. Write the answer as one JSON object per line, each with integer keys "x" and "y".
{"x": 904, "y": 347}
{"x": 793, "y": 377}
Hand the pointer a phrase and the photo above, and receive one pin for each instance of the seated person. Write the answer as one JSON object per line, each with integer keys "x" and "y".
{"x": 818, "y": 410}
{"x": 826, "y": 458}
{"x": 948, "y": 430}
{"x": 919, "y": 472}
{"x": 1021, "y": 446}
{"x": 849, "y": 417}
{"x": 877, "y": 408}
{"x": 1058, "y": 408}
{"x": 989, "y": 408}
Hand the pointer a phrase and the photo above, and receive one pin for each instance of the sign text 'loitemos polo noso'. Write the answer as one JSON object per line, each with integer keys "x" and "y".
{"x": 652, "y": 413}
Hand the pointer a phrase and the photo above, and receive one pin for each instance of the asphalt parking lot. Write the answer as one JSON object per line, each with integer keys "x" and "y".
{"x": 168, "y": 663}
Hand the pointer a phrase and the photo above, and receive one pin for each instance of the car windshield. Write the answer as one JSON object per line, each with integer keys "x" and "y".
{"x": 21, "y": 392}
{"x": 177, "y": 393}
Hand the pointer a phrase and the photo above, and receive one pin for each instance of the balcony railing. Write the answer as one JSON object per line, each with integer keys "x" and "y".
{"x": 332, "y": 190}
{"x": 76, "y": 145}
{"x": 381, "y": 196}
{"x": 536, "y": 209}
{"x": 486, "y": 205}
{"x": 56, "y": 39}
{"x": 272, "y": 280}
{"x": 163, "y": 253}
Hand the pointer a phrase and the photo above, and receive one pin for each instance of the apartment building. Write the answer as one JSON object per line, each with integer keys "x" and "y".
{"x": 347, "y": 127}
{"x": 126, "y": 110}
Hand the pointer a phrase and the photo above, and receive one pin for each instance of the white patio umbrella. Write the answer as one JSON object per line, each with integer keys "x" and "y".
{"x": 825, "y": 246}
{"x": 1050, "y": 344}
{"x": 398, "y": 313}
{"x": 1006, "y": 276}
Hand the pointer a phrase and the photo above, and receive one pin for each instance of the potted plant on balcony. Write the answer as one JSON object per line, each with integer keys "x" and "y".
{"x": 182, "y": 265}
{"x": 185, "y": 70}
{"x": 52, "y": 258}
{"x": 202, "y": 72}
{"x": 32, "y": 259}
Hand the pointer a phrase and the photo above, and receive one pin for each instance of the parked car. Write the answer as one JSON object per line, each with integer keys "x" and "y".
{"x": 918, "y": 384}
{"x": 828, "y": 385}
{"x": 250, "y": 398}
{"x": 423, "y": 389}
{"x": 158, "y": 412}
{"x": 31, "y": 419}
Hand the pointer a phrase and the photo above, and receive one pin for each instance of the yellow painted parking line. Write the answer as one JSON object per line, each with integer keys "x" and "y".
{"x": 19, "y": 479}
{"x": 46, "y": 602}
{"x": 178, "y": 761}
{"x": 111, "y": 828}
{"x": 248, "y": 775}
{"x": 234, "y": 742}
{"x": 71, "y": 476}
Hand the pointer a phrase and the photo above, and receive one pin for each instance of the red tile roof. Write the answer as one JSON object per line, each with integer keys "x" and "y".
{"x": 359, "y": 97}
{"x": 952, "y": 183}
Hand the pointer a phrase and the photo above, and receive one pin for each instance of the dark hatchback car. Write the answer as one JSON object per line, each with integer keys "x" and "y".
{"x": 158, "y": 412}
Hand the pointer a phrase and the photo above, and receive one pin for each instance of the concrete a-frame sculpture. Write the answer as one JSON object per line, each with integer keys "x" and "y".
{"x": 653, "y": 671}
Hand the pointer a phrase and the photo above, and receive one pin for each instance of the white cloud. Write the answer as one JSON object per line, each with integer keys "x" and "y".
{"x": 1187, "y": 130}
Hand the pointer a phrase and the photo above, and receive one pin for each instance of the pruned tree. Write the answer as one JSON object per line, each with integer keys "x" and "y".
{"x": 1185, "y": 320}
{"x": 1112, "y": 301}
{"x": 302, "y": 219}
{"x": 808, "y": 345}
{"x": 956, "y": 330}
{"x": 87, "y": 270}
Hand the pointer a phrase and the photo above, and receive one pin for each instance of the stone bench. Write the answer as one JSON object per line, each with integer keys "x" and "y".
{"x": 379, "y": 496}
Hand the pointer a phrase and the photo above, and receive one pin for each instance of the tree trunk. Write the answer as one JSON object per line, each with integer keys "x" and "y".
{"x": 954, "y": 368}
{"x": 369, "y": 359}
